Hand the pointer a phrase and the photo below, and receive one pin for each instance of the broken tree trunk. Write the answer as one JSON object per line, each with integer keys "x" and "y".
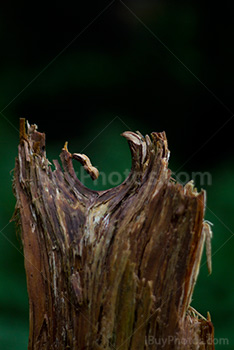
{"x": 110, "y": 269}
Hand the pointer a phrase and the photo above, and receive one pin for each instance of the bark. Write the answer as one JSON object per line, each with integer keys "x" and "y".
{"x": 110, "y": 269}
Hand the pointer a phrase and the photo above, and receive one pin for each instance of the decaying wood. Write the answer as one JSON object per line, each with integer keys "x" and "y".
{"x": 110, "y": 269}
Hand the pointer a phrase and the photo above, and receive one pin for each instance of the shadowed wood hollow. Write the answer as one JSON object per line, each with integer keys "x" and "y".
{"x": 111, "y": 269}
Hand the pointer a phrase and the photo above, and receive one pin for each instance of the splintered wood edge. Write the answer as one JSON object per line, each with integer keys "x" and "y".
{"x": 22, "y": 131}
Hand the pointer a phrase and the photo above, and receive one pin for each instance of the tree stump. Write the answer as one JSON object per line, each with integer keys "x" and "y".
{"x": 111, "y": 269}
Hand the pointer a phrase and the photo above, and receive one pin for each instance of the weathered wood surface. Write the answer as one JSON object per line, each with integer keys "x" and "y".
{"x": 113, "y": 269}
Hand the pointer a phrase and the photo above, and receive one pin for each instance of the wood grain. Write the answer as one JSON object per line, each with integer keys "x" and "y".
{"x": 110, "y": 269}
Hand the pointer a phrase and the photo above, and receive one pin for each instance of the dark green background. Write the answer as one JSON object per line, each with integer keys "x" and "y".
{"x": 115, "y": 76}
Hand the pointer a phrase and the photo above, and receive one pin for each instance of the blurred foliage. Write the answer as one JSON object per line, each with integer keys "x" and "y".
{"x": 114, "y": 77}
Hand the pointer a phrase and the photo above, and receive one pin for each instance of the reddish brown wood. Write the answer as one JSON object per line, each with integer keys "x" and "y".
{"x": 114, "y": 269}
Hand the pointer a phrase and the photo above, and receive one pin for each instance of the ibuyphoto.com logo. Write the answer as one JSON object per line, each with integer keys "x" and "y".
{"x": 175, "y": 340}
{"x": 115, "y": 178}
{"x": 199, "y": 178}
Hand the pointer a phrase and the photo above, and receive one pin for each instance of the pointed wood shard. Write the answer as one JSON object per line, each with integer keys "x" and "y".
{"x": 111, "y": 269}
